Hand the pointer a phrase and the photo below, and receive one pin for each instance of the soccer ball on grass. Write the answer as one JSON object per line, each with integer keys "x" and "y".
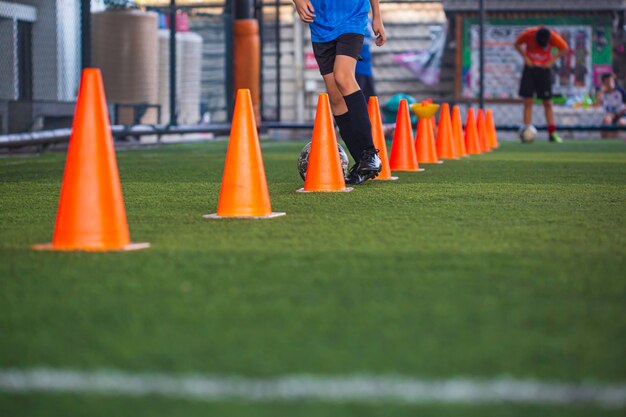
{"x": 303, "y": 160}
{"x": 528, "y": 133}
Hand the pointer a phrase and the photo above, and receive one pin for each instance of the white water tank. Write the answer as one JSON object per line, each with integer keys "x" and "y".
{"x": 188, "y": 76}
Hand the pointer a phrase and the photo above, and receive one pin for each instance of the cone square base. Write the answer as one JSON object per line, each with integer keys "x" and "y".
{"x": 346, "y": 190}
{"x": 409, "y": 170}
{"x": 269, "y": 216}
{"x": 127, "y": 248}
{"x": 432, "y": 163}
{"x": 386, "y": 179}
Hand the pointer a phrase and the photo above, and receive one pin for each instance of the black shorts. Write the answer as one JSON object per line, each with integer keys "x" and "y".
{"x": 536, "y": 81}
{"x": 349, "y": 44}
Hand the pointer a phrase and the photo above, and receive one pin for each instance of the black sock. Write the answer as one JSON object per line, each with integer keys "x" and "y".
{"x": 343, "y": 121}
{"x": 360, "y": 124}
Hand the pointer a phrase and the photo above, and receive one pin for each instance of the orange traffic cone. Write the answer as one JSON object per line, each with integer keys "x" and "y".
{"x": 244, "y": 192}
{"x": 445, "y": 143}
{"x": 481, "y": 127}
{"x": 491, "y": 130}
{"x": 471, "y": 134}
{"x": 324, "y": 172}
{"x": 403, "y": 157}
{"x": 378, "y": 134}
{"x": 457, "y": 132}
{"x": 425, "y": 143}
{"x": 91, "y": 214}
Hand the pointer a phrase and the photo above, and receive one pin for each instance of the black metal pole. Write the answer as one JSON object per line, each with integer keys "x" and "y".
{"x": 85, "y": 28}
{"x": 229, "y": 87}
{"x": 173, "y": 118}
{"x": 278, "y": 52}
{"x": 482, "y": 54}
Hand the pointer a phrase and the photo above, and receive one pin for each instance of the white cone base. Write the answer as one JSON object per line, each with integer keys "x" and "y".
{"x": 127, "y": 248}
{"x": 347, "y": 190}
{"x": 409, "y": 170}
{"x": 386, "y": 179}
{"x": 270, "y": 216}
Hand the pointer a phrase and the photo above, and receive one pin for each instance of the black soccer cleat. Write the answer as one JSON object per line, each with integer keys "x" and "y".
{"x": 370, "y": 164}
{"x": 355, "y": 178}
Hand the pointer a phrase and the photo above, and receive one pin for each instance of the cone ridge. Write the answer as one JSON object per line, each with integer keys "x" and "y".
{"x": 378, "y": 135}
{"x": 491, "y": 130}
{"x": 244, "y": 191}
{"x": 324, "y": 172}
{"x": 481, "y": 128}
{"x": 471, "y": 135}
{"x": 425, "y": 142}
{"x": 91, "y": 215}
{"x": 403, "y": 157}
{"x": 445, "y": 144}
{"x": 457, "y": 132}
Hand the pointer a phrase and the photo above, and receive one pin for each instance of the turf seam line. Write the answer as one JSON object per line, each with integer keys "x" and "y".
{"x": 362, "y": 388}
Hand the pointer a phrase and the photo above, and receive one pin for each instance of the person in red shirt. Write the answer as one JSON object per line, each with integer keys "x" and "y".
{"x": 536, "y": 46}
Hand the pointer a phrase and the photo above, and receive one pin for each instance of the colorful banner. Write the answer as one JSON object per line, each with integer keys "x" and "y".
{"x": 575, "y": 74}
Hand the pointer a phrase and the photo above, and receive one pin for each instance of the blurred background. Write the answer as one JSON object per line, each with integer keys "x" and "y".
{"x": 433, "y": 52}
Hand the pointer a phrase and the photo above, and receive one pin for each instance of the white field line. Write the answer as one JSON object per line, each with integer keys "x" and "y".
{"x": 354, "y": 388}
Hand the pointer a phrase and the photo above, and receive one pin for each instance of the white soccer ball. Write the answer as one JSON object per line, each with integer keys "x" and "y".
{"x": 528, "y": 133}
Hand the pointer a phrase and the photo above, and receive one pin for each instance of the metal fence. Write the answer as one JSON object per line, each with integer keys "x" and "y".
{"x": 433, "y": 52}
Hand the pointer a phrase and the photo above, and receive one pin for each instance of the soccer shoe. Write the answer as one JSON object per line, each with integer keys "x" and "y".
{"x": 356, "y": 178}
{"x": 555, "y": 138}
{"x": 370, "y": 164}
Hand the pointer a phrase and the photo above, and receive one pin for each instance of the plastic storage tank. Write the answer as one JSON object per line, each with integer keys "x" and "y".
{"x": 188, "y": 76}
{"x": 125, "y": 48}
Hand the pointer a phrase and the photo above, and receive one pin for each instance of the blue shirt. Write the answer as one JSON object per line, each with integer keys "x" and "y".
{"x": 334, "y": 18}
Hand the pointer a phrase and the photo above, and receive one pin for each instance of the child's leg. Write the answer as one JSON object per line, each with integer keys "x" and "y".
{"x": 547, "y": 107}
{"x": 528, "y": 111}
{"x": 344, "y": 73}
{"x": 340, "y": 112}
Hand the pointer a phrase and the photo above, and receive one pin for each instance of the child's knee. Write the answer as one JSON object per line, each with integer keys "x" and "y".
{"x": 344, "y": 79}
{"x": 607, "y": 120}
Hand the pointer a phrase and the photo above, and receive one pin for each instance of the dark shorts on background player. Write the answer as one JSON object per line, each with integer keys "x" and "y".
{"x": 349, "y": 44}
{"x": 536, "y": 81}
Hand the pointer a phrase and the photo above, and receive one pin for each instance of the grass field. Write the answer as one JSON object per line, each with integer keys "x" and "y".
{"x": 511, "y": 263}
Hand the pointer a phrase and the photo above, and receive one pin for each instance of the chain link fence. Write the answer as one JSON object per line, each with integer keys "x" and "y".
{"x": 431, "y": 53}
{"x": 39, "y": 63}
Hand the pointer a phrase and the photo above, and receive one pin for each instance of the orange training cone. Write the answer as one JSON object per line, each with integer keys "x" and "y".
{"x": 244, "y": 192}
{"x": 324, "y": 172}
{"x": 378, "y": 134}
{"x": 91, "y": 214}
{"x": 445, "y": 143}
{"x": 403, "y": 157}
{"x": 425, "y": 143}
{"x": 491, "y": 130}
{"x": 457, "y": 132}
{"x": 471, "y": 134}
{"x": 481, "y": 127}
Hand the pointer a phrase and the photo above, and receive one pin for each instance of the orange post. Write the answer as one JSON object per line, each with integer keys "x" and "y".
{"x": 378, "y": 134}
{"x": 247, "y": 60}
{"x": 457, "y": 131}
{"x": 472, "y": 143}
{"x": 91, "y": 214}
{"x": 324, "y": 172}
{"x": 244, "y": 192}
{"x": 445, "y": 143}
{"x": 403, "y": 157}
{"x": 491, "y": 130}
{"x": 481, "y": 127}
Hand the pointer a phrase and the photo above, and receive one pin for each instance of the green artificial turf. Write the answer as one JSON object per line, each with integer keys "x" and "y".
{"x": 510, "y": 263}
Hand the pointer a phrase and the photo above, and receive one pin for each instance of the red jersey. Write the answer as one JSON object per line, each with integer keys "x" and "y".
{"x": 537, "y": 54}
